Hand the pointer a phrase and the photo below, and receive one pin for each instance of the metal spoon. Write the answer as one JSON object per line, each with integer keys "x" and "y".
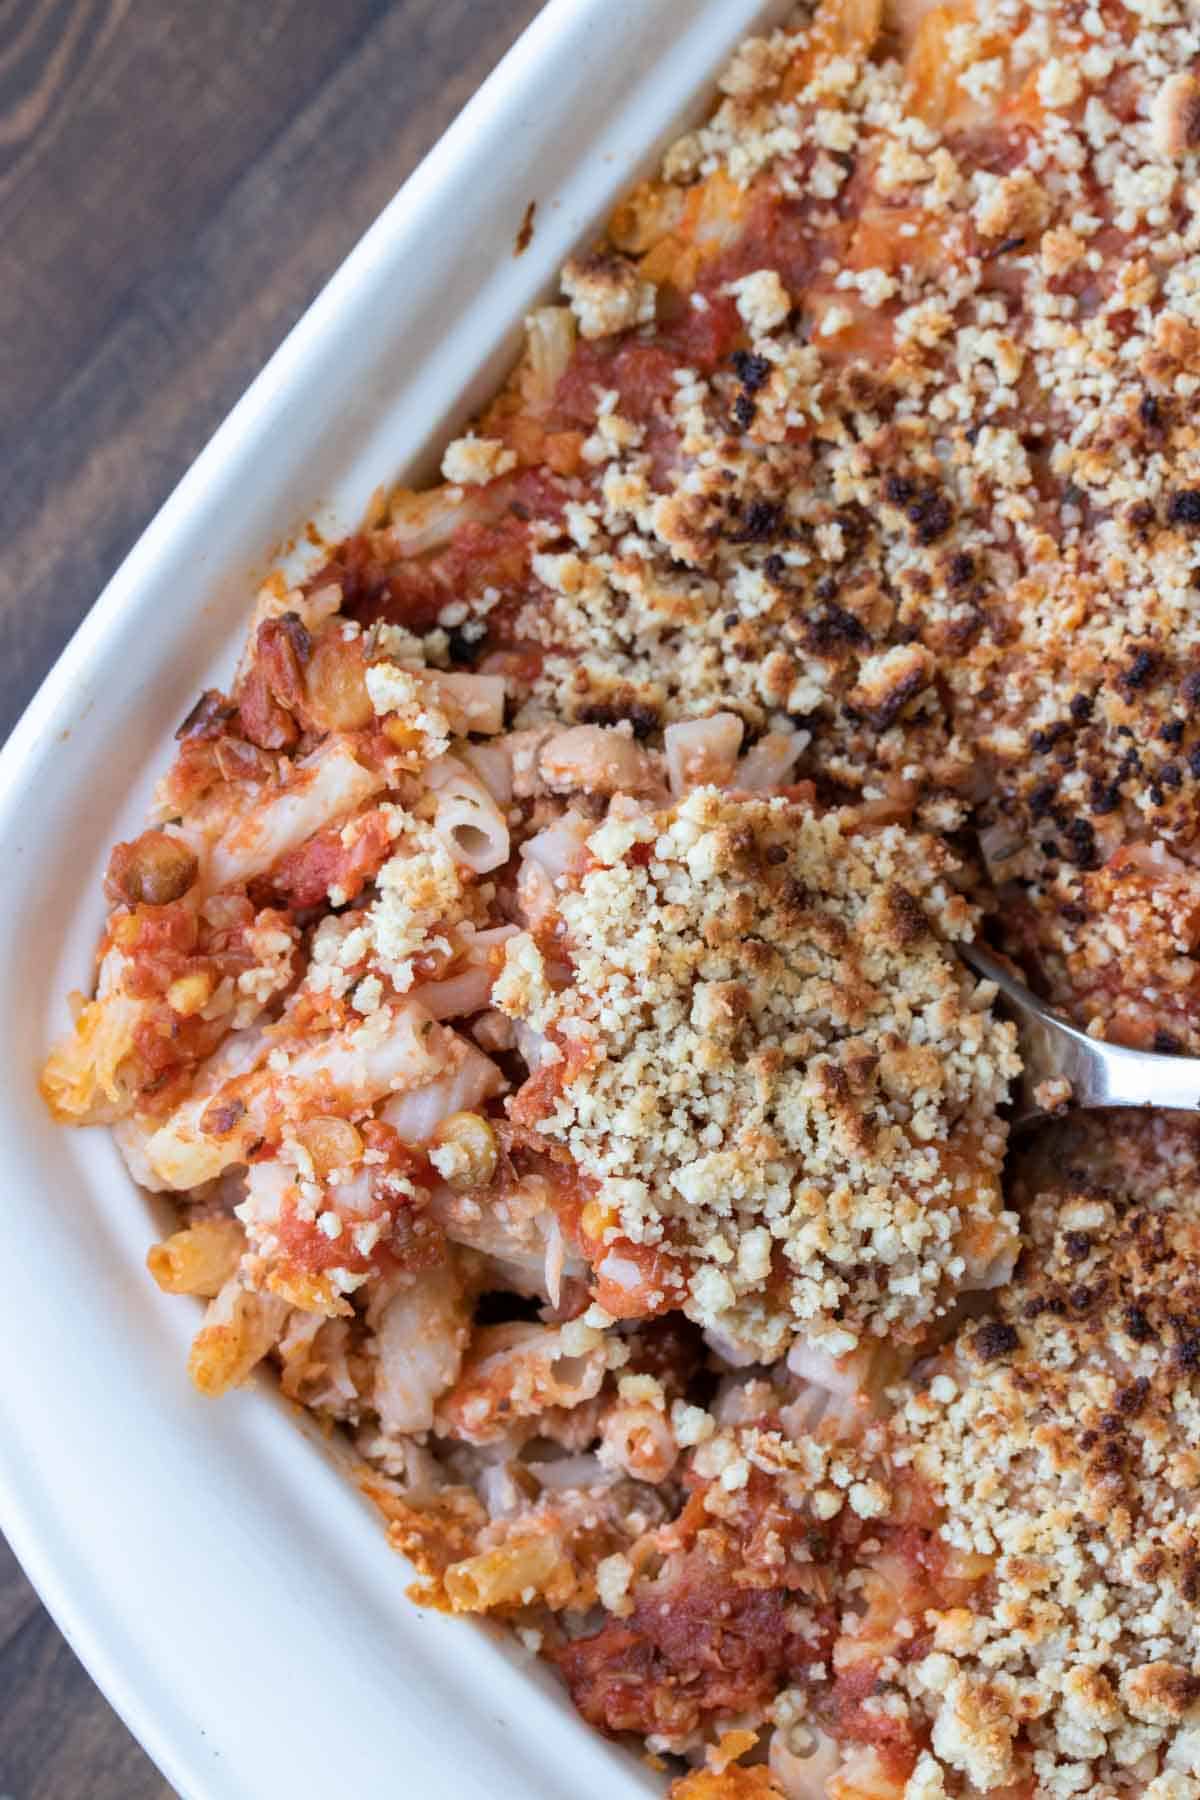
{"x": 1100, "y": 1074}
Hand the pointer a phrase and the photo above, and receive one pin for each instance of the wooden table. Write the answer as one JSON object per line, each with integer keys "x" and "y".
{"x": 177, "y": 180}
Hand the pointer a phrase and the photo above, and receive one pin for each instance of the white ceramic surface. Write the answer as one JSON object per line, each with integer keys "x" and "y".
{"x": 209, "y": 1562}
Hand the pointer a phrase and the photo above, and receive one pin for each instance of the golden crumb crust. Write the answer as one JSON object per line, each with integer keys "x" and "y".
{"x": 906, "y": 459}
{"x": 1060, "y": 1438}
{"x": 776, "y": 1070}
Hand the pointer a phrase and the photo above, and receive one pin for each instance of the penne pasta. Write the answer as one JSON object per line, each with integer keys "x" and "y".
{"x": 199, "y": 1259}
{"x": 503, "y": 1576}
{"x": 328, "y": 787}
{"x": 639, "y": 1441}
{"x": 493, "y": 765}
{"x": 597, "y": 760}
{"x": 803, "y": 1762}
{"x": 467, "y": 992}
{"x": 468, "y": 1080}
{"x": 239, "y": 1330}
{"x": 389, "y": 1053}
{"x": 81, "y": 1079}
{"x": 472, "y": 702}
{"x": 420, "y": 1334}
{"x": 549, "y": 341}
{"x": 517, "y": 1230}
{"x": 702, "y": 751}
{"x": 769, "y": 763}
{"x": 466, "y": 819}
{"x": 554, "y": 848}
{"x": 515, "y": 1372}
{"x": 425, "y": 521}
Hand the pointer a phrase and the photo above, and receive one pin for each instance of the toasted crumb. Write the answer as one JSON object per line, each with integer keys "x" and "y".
{"x": 1053, "y": 1095}
{"x": 1064, "y": 1461}
{"x": 778, "y": 1073}
{"x": 1175, "y": 115}
{"x": 607, "y": 295}
{"x": 472, "y": 461}
{"x": 762, "y": 301}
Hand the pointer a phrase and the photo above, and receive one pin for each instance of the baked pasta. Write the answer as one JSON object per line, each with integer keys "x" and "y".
{"x": 537, "y": 983}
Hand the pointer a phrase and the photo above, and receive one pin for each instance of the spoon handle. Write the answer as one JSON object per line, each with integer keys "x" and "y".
{"x": 1099, "y": 1073}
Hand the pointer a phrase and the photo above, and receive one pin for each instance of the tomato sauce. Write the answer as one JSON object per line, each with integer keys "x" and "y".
{"x": 305, "y": 877}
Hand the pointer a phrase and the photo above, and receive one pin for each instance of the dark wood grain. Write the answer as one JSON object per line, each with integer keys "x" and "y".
{"x": 59, "y": 1740}
{"x": 178, "y": 178}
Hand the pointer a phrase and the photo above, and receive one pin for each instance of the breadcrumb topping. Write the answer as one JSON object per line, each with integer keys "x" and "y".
{"x": 472, "y": 461}
{"x": 606, "y": 295}
{"x": 1061, "y": 1439}
{"x": 781, "y": 1074}
{"x": 931, "y": 491}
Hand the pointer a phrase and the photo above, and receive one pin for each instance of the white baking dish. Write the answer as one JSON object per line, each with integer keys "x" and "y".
{"x": 210, "y": 1563}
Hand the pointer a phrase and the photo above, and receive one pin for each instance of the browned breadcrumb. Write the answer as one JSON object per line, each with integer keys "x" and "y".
{"x": 1062, "y": 1439}
{"x": 787, "y": 1080}
{"x": 943, "y": 514}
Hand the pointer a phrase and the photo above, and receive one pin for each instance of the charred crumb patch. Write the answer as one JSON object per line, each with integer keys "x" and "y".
{"x": 833, "y": 630}
{"x": 743, "y": 411}
{"x": 643, "y": 717}
{"x": 994, "y": 1340}
{"x": 1080, "y": 835}
{"x": 752, "y": 371}
{"x": 760, "y": 521}
{"x": 906, "y": 916}
{"x": 1137, "y": 1325}
{"x": 1183, "y": 507}
{"x": 1142, "y": 671}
